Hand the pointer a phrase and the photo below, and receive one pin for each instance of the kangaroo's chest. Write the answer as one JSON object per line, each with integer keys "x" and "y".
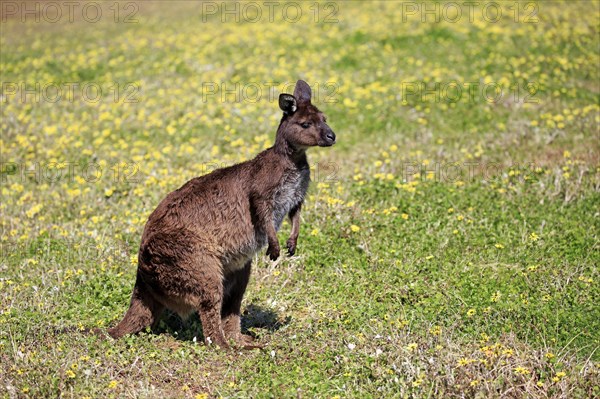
{"x": 289, "y": 194}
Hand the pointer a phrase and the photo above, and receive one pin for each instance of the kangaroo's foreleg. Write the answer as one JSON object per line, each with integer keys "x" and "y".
{"x": 294, "y": 216}
{"x": 264, "y": 218}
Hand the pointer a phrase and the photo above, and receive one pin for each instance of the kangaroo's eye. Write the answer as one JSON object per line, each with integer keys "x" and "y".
{"x": 305, "y": 125}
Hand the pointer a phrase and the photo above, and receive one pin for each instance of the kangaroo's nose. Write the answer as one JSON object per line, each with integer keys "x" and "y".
{"x": 330, "y": 136}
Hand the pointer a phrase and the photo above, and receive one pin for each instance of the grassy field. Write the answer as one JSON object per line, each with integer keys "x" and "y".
{"x": 450, "y": 243}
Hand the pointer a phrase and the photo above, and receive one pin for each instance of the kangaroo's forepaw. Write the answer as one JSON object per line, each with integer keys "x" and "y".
{"x": 291, "y": 247}
{"x": 273, "y": 252}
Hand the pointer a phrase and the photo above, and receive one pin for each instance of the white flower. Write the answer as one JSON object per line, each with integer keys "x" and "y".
{"x": 351, "y": 346}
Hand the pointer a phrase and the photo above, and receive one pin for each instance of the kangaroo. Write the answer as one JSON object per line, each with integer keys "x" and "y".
{"x": 197, "y": 246}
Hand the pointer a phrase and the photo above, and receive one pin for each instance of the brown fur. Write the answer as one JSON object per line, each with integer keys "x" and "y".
{"x": 198, "y": 244}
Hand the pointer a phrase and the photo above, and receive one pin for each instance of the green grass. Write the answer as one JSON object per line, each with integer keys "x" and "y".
{"x": 414, "y": 277}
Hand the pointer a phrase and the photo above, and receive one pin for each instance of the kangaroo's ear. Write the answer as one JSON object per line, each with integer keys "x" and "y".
{"x": 302, "y": 92}
{"x": 287, "y": 103}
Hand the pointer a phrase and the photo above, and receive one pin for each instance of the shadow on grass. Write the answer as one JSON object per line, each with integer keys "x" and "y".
{"x": 254, "y": 318}
{"x": 257, "y": 317}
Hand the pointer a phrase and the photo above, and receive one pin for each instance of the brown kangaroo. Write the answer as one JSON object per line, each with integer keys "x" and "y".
{"x": 198, "y": 244}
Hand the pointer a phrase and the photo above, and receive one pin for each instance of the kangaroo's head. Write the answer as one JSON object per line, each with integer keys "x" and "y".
{"x": 302, "y": 125}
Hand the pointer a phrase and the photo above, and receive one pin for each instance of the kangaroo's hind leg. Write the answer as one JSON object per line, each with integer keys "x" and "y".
{"x": 202, "y": 289}
{"x": 235, "y": 285}
{"x": 144, "y": 310}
